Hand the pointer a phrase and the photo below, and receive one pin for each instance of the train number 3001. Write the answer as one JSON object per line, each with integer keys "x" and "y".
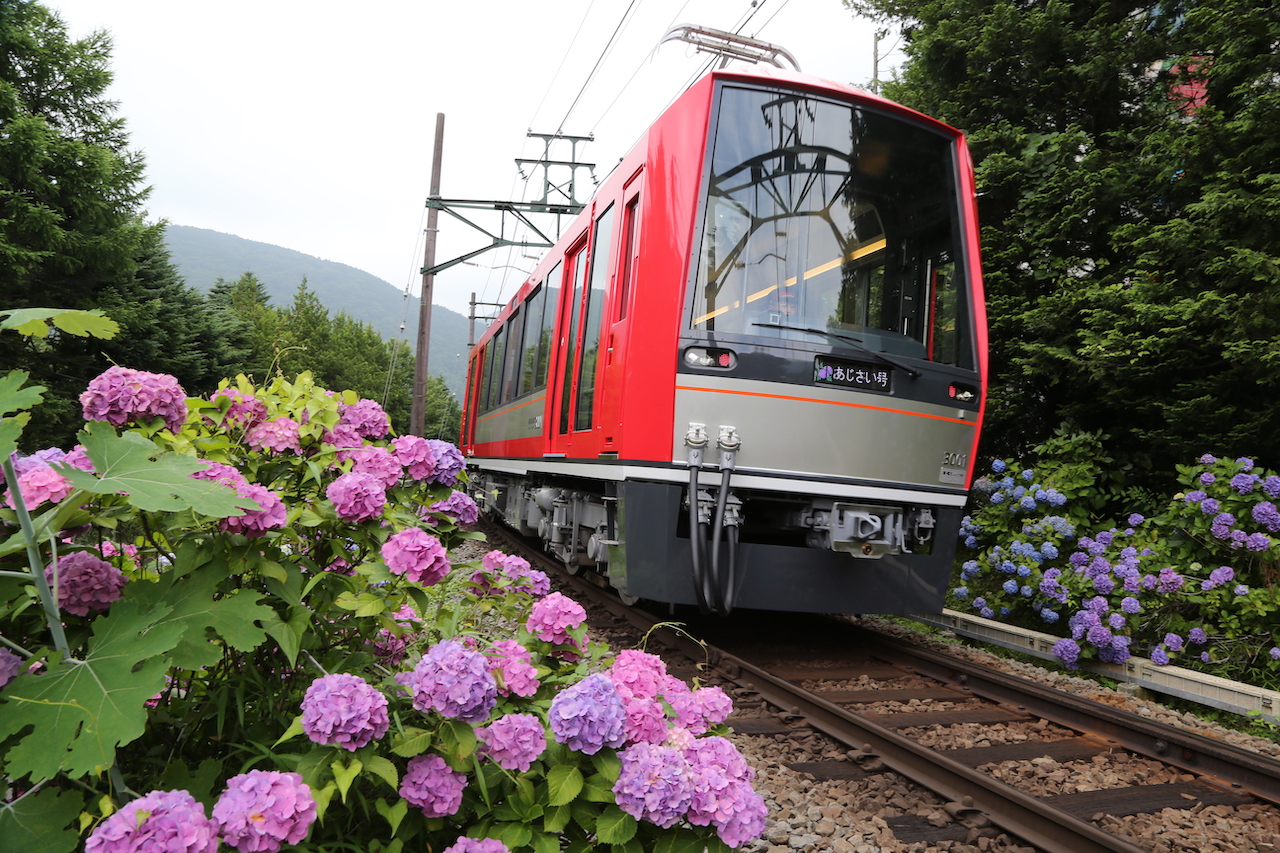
{"x": 955, "y": 460}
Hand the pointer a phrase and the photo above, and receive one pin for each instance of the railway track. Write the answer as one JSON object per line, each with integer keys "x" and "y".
{"x": 1000, "y": 754}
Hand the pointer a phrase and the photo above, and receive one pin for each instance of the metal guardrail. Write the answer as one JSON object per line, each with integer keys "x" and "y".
{"x": 1198, "y": 687}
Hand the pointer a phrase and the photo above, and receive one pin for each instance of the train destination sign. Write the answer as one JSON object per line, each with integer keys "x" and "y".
{"x": 851, "y": 374}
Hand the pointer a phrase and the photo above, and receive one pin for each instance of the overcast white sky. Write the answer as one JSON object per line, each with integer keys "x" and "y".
{"x": 309, "y": 125}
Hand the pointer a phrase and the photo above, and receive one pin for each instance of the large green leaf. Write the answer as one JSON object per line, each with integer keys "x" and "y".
{"x": 155, "y": 481}
{"x": 33, "y": 321}
{"x": 40, "y": 821}
{"x": 614, "y": 826}
{"x": 15, "y": 398}
{"x": 81, "y": 710}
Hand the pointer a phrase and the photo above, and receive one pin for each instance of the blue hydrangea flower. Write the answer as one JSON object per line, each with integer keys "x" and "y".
{"x": 1010, "y": 586}
{"x": 1240, "y": 589}
{"x": 999, "y": 466}
{"x": 960, "y": 592}
{"x": 1024, "y": 591}
{"x": 1028, "y": 503}
{"x": 1275, "y": 653}
{"x": 1136, "y": 518}
{"x": 997, "y": 498}
{"x": 1049, "y": 616}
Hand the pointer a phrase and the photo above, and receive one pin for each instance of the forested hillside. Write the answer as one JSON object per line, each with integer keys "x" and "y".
{"x": 203, "y": 257}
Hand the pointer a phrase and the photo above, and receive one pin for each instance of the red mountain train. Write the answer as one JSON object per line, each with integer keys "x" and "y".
{"x": 752, "y": 373}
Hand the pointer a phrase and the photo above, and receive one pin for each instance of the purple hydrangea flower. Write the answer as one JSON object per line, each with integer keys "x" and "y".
{"x": 417, "y": 555}
{"x": 1265, "y": 513}
{"x": 513, "y": 668}
{"x": 243, "y": 410}
{"x": 588, "y": 715}
{"x": 1170, "y": 581}
{"x": 270, "y": 515}
{"x": 85, "y": 582}
{"x": 1136, "y": 518}
{"x": 1159, "y": 656}
{"x": 513, "y": 741}
{"x": 344, "y": 710}
{"x": 275, "y": 436}
{"x": 453, "y": 681}
{"x": 1275, "y": 653}
{"x": 1068, "y": 651}
{"x": 999, "y": 466}
{"x": 722, "y": 793}
{"x": 1222, "y": 575}
{"x": 1195, "y": 496}
{"x": 1271, "y": 486}
{"x": 1209, "y": 506}
{"x": 119, "y": 395}
{"x": 1245, "y": 463}
{"x": 1130, "y": 605}
{"x": 1173, "y": 641}
{"x": 1206, "y": 657}
{"x": 655, "y": 784}
{"x": 1245, "y": 483}
{"x": 713, "y": 704}
{"x": 162, "y": 821}
{"x": 357, "y": 497}
{"x": 1257, "y": 542}
{"x": 1240, "y": 589}
{"x": 429, "y": 784}
{"x": 260, "y": 810}
{"x": 10, "y": 666}
{"x": 460, "y": 506}
{"x": 449, "y": 462}
{"x": 477, "y": 845}
{"x": 366, "y": 417}
{"x": 1198, "y": 636}
{"x": 1207, "y": 479}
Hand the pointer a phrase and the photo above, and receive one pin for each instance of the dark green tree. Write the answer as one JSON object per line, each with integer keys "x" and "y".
{"x": 1128, "y": 234}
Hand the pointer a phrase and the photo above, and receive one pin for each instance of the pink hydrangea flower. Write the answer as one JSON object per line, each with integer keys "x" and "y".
{"x": 10, "y": 666}
{"x": 722, "y": 792}
{"x": 513, "y": 741}
{"x": 343, "y": 437}
{"x": 217, "y": 472}
{"x": 270, "y": 515}
{"x": 646, "y": 721}
{"x": 275, "y": 436}
{"x": 513, "y": 666}
{"x": 119, "y": 395}
{"x": 245, "y": 410}
{"x": 417, "y": 555}
{"x": 78, "y": 458}
{"x": 85, "y": 582}
{"x": 344, "y": 710}
{"x": 415, "y": 454}
{"x": 366, "y": 417}
{"x": 357, "y": 497}
{"x": 453, "y": 681}
{"x": 162, "y": 821}
{"x": 39, "y": 484}
{"x": 379, "y": 463}
{"x": 678, "y": 695}
{"x": 554, "y": 616}
{"x": 638, "y": 675}
{"x": 23, "y": 464}
{"x": 713, "y": 705}
{"x": 260, "y": 810}
{"x": 429, "y": 784}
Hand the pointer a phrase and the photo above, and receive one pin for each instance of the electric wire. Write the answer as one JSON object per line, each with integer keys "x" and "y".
{"x": 590, "y": 76}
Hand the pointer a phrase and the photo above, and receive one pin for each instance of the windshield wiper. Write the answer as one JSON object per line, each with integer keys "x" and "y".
{"x": 849, "y": 339}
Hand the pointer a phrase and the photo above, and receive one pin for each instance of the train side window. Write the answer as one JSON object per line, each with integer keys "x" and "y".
{"x": 545, "y": 337}
{"x": 530, "y": 335}
{"x": 630, "y": 250}
{"x": 573, "y": 301}
{"x": 594, "y": 308}
{"x": 493, "y": 385}
{"x": 511, "y": 364}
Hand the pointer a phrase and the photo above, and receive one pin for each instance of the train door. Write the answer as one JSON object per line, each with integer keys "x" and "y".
{"x": 568, "y": 337}
{"x": 581, "y": 316}
{"x": 617, "y": 329}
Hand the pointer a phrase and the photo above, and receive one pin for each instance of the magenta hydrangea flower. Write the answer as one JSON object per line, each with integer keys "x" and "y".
{"x": 655, "y": 784}
{"x": 513, "y": 741}
{"x": 343, "y": 437}
{"x": 85, "y": 582}
{"x": 453, "y": 681}
{"x": 429, "y": 784}
{"x": 119, "y": 395}
{"x": 275, "y": 436}
{"x": 244, "y": 410}
{"x": 78, "y": 458}
{"x": 478, "y": 845}
{"x": 646, "y": 721}
{"x": 513, "y": 668}
{"x": 554, "y": 616}
{"x": 416, "y": 455}
{"x": 459, "y": 505}
{"x": 366, "y": 417}
{"x": 270, "y": 515}
{"x": 357, "y": 497}
{"x": 162, "y": 821}
{"x": 588, "y": 716}
{"x": 713, "y": 704}
{"x": 496, "y": 565}
{"x": 10, "y": 666}
{"x": 38, "y": 484}
{"x": 638, "y": 675}
{"x": 344, "y": 710}
{"x": 417, "y": 555}
{"x": 260, "y": 810}
{"x": 379, "y": 463}
{"x": 449, "y": 461}
{"x": 217, "y": 472}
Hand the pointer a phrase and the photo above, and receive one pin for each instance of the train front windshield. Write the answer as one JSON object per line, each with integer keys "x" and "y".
{"x": 832, "y": 224}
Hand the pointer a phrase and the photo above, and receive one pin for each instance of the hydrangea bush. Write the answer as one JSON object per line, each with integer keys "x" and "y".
{"x": 234, "y": 622}
{"x": 1195, "y": 583}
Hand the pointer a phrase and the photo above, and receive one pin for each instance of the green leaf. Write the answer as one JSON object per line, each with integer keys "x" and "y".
{"x": 557, "y": 818}
{"x": 679, "y": 842}
{"x": 393, "y": 814}
{"x": 383, "y": 769}
{"x": 597, "y": 789}
{"x": 295, "y": 729}
{"x": 34, "y": 322}
{"x": 608, "y": 764}
{"x": 564, "y": 781}
{"x": 15, "y": 398}
{"x": 511, "y": 834}
{"x": 154, "y": 480}
{"x": 457, "y": 741}
{"x": 288, "y": 635}
{"x": 412, "y": 742}
{"x": 40, "y": 821}
{"x": 81, "y": 710}
{"x": 543, "y": 842}
{"x": 344, "y": 775}
{"x": 614, "y": 826}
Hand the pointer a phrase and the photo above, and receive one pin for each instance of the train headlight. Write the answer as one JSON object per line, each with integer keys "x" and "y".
{"x": 722, "y": 359}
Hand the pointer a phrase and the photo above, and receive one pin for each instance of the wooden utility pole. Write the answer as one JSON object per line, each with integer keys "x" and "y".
{"x": 418, "y": 417}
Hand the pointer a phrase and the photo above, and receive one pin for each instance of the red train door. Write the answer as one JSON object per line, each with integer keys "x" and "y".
{"x": 617, "y": 326}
